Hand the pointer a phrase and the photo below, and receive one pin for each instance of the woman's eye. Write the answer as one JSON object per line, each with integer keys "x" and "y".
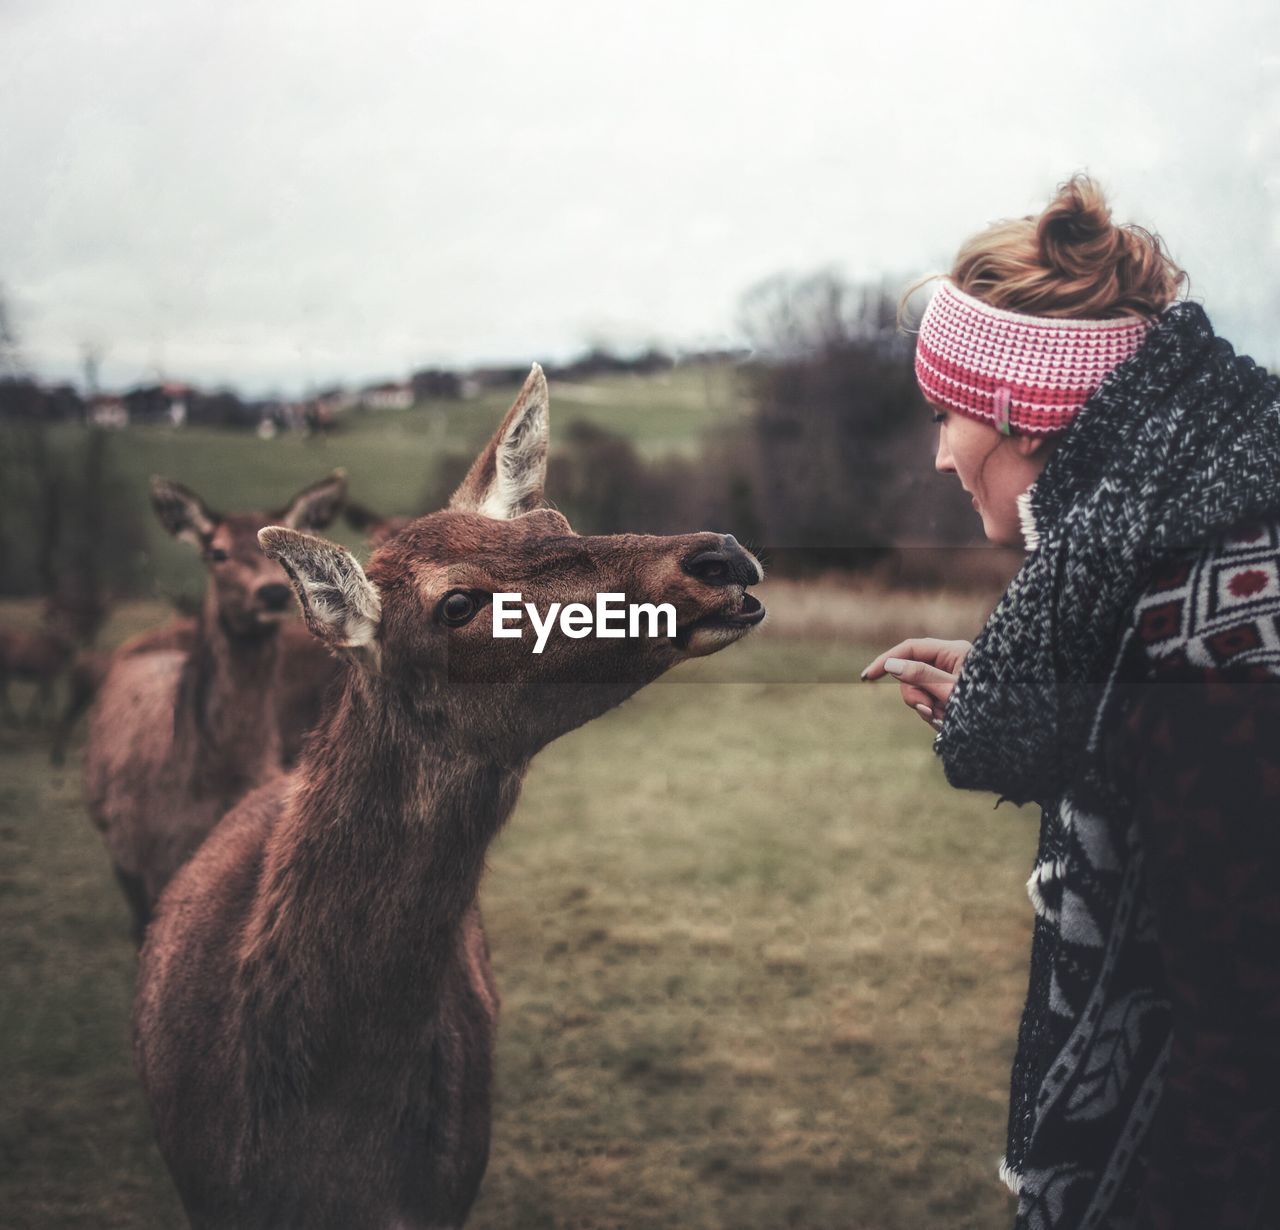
{"x": 457, "y": 607}
{"x": 939, "y": 417}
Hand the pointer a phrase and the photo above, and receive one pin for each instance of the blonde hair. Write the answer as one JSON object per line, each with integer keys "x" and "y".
{"x": 1069, "y": 261}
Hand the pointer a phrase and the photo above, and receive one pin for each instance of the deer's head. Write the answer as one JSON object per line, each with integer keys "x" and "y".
{"x": 420, "y": 620}
{"x": 248, "y": 591}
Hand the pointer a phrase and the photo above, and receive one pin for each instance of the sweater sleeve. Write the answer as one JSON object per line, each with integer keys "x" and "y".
{"x": 1204, "y": 750}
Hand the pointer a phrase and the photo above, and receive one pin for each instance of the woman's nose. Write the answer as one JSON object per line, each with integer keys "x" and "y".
{"x": 942, "y": 462}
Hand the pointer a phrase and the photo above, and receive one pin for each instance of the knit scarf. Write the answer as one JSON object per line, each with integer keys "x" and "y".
{"x": 1178, "y": 445}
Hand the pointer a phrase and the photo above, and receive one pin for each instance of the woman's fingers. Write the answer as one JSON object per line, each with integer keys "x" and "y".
{"x": 925, "y": 670}
{"x": 936, "y": 683}
{"x": 944, "y": 654}
{"x": 916, "y": 647}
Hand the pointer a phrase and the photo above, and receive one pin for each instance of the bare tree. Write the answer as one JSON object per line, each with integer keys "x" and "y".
{"x": 842, "y": 437}
{"x": 91, "y": 356}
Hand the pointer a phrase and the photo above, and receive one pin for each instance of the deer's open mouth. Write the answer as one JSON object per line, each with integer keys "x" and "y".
{"x": 721, "y": 628}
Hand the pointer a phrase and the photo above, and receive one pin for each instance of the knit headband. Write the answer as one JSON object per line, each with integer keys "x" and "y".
{"x": 1024, "y": 374}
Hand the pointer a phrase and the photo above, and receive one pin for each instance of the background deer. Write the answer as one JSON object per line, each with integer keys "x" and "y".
{"x": 70, "y": 617}
{"x": 304, "y": 677}
{"x": 315, "y": 1013}
{"x": 177, "y": 735}
{"x": 36, "y": 656}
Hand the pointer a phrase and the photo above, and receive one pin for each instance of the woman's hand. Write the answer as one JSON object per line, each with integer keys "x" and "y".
{"x": 926, "y": 670}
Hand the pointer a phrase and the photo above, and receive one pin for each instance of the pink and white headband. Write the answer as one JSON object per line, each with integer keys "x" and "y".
{"x": 1024, "y": 374}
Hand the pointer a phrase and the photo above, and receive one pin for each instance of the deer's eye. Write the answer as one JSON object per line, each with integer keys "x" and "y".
{"x": 217, "y": 555}
{"x": 457, "y": 607}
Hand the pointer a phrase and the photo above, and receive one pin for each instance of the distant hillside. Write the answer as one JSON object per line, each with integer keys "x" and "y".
{"x": 398, "y": 461}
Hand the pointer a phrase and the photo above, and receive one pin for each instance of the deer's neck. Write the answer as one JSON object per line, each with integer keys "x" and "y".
{"x": 370, "y": 872}
{"x": 229, "y": 701}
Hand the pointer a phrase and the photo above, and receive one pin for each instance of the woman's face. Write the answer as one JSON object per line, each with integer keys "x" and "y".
{"x": 992, "y": 468}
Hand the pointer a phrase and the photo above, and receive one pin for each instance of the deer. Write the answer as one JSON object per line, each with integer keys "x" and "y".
{"x": 184, "y": 722}
{"x": 307, "y": 667}
{"x": 315, "y": 1013}
{"x": 36, "y": 656}
{"x": 70, "y": 616}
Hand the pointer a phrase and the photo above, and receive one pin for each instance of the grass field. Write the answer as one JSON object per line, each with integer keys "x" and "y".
{"x": 761, "y": 968}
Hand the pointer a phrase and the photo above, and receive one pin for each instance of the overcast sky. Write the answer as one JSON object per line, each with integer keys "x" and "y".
{"x": 279, "y": 195}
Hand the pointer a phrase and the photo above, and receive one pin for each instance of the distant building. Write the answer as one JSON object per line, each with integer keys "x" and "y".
{"x": 107, "y": 410}
{"x": 391, "y": 395}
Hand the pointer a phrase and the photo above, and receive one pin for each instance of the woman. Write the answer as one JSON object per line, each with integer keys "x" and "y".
{"x": 1126, "y": 682}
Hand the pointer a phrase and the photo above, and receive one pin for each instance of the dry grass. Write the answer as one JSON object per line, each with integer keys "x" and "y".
{"x": 838, "y": 608}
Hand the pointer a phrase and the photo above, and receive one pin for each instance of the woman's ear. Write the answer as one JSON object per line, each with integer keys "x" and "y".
{"x": 1034, "y": 448}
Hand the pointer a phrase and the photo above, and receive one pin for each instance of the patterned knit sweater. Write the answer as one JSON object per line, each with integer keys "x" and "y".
{"x": 1199, "y": 752}
{"x": 1193, "y": 951}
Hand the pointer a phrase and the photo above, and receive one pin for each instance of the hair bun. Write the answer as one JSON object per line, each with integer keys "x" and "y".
{"x": 1071, "y": 260}
{"x": 1075, "y": 233}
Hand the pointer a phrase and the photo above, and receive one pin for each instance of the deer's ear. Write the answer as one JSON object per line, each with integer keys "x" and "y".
{"x": 182, "y": 512}
{"x": 339, "y": 602}
{"x": 315, "y": 506}
{"x": 508, "y": 476}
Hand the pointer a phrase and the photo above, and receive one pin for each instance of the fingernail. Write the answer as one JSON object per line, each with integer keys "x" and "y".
{"x": 895, "y": 666}
{"x": 925, "y": 712}
{"x": 863, "y": 675}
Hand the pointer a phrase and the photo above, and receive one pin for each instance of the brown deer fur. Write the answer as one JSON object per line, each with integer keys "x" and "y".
{"x": 91, "y": 666}
{"x": 177, "y": 735}
{"x": 315, "y": 1013}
